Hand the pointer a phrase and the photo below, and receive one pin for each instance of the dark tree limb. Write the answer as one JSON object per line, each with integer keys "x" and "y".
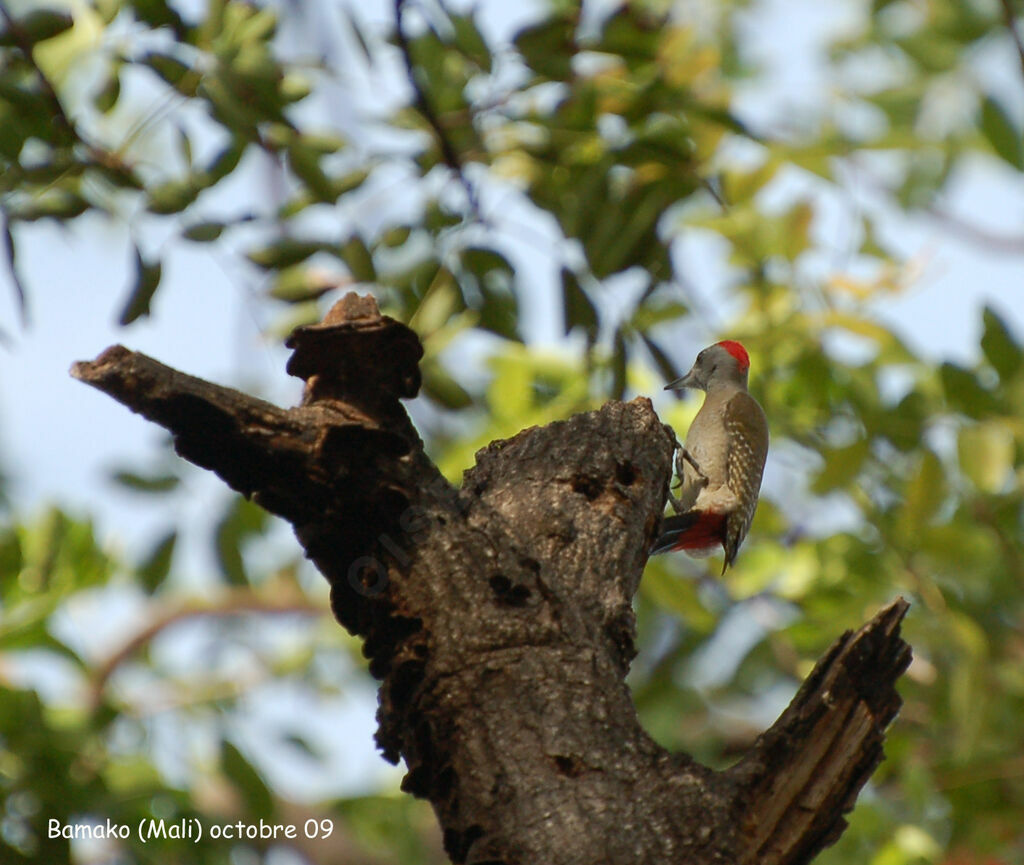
{"x": 449, "y": 153}
{"x": 499, "y": 618}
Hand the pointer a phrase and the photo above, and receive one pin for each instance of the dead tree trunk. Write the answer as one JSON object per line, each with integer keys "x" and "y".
{"x": 498, "y": 616}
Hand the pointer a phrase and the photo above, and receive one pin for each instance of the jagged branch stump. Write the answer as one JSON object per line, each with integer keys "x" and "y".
{"x": 498, "y": 616}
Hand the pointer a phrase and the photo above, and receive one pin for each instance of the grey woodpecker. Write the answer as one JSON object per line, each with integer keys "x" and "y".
{"x": 721, "y": 462}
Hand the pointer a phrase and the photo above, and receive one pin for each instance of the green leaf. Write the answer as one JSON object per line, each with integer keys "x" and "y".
{"x": 179, "y": 75}
{"x": 668, "y": 370}
{"x": 173, "y": 196}
{"x": 159, "y": 13}
{"x": 300, "y": 284}
{"x": 986, "y": 452}
{"x": 1001, "y": 350}
{"x": 58, "y": 203}
{"x": 286, "y": 252}
{"x": 998, "y": 129}
{"x": 439, "y": 385}
{"x": 146, "y": 484}
{"x": 154, "y": 568}
{"x": 965, "y": 392}
{"x": 11, "y": 255}
{"x": 147, "y": 280}
{"x": 548, "y": 47}
{"x": 250, "y": 784}
{"x": 224, "y": 162}
{"x": 203, "y": 232}
{"x": 106, "y": 97}
{"x": 493, "y": 278}
{"x": 578, "y": 309}
{"x": 842, "y": 465}
{"x": 36, "y": 26}
{"x": 241, "y": 520}
{"x": 305, "y": 164}
{"x": 924, "y": 493}
{"x": 470, "y": 41}
{"x": 360, "y": 263}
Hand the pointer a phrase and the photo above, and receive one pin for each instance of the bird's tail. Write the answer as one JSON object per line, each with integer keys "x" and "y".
{"x": 691, "y": 530}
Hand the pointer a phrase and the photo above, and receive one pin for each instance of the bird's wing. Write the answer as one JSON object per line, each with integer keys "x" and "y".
{"x": 745, "y": 423}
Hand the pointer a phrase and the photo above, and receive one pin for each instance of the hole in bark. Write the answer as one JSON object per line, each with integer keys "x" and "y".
{"x": 518, "y": 596}
{"x": 625, "y": 473}
{"x": 530, "y": 564}
{"x": 384, "y": 637}
{"x": 507, "y": 592}
{"x": 415, "y": 783}
{"x": 445, "y": 782}
{"x": 405, "y": 679}
{"x": 457, "y": 844}
{"x": 571, "y": 767}
{"x": 589, "y": 487}
{"x": 500, "y": 584}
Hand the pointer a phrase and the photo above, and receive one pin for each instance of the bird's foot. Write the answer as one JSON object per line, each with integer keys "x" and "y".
{"x": 684, "y": 456}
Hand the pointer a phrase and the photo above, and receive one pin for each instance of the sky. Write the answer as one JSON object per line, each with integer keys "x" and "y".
{"x": 59, "y": 440}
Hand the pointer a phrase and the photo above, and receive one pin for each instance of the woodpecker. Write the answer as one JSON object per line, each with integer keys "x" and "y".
{"x": 721, "y": 463}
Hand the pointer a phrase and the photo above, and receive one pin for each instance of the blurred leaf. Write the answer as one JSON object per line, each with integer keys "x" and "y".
{"x": 986, "y": 452}
{"x": 925, "y": 492}
{"x": 300, "y": 284}
{"x": 360, "y": 263}
{"x": 147, "y": 280}
{"x": 579, "y": 311}
{"x": 11, "y": 255}
{"x": 285, "y": 252}
{"x": 999, "y": 130}
{"x": 842, "y": 465}
{"x": 248, "y": 782}
{"x": 174, "y": 72}
{"x": 667, "y": 368}
{"x": 106, "y": 97}
{"x": 203, "y": 232}
{"x": 154, "y": 568}
{"x": 470, "y": 41}
{"x": 241, "y": 521}
{"x": 305, "y": 164}
{"x": 548, "y": 47}
{"x": 173, "y": 196}
{"x": 439, "y": 385}
{"x": 1001, "y": 350}
{"x": 966, "y": 393}
{"x": 36, "y": 26}
{"x": 146, "y": 483}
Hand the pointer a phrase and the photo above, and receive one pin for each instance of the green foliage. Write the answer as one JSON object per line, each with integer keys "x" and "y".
{"x": 621, "y": 134}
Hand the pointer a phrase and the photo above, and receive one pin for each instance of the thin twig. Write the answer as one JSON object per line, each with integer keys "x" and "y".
{"x": 449, "y": 154}
{"x": 1010, "y": 243}
{"x": 1011, "y": 25}
{"x": 232, "y": 603}
{"x": 999, "y": 242}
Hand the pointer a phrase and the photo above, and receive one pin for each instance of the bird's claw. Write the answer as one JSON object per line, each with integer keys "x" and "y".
{"x": 684, "y": 456}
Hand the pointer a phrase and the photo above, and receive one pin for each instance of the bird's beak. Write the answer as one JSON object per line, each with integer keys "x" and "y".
{"x": 683, "y": 382}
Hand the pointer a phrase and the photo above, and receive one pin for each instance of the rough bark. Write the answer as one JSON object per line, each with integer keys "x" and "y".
{"x": 498, "y": 616}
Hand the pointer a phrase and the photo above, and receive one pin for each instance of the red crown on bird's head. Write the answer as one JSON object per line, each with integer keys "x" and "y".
{"x": 737, "y": 351}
